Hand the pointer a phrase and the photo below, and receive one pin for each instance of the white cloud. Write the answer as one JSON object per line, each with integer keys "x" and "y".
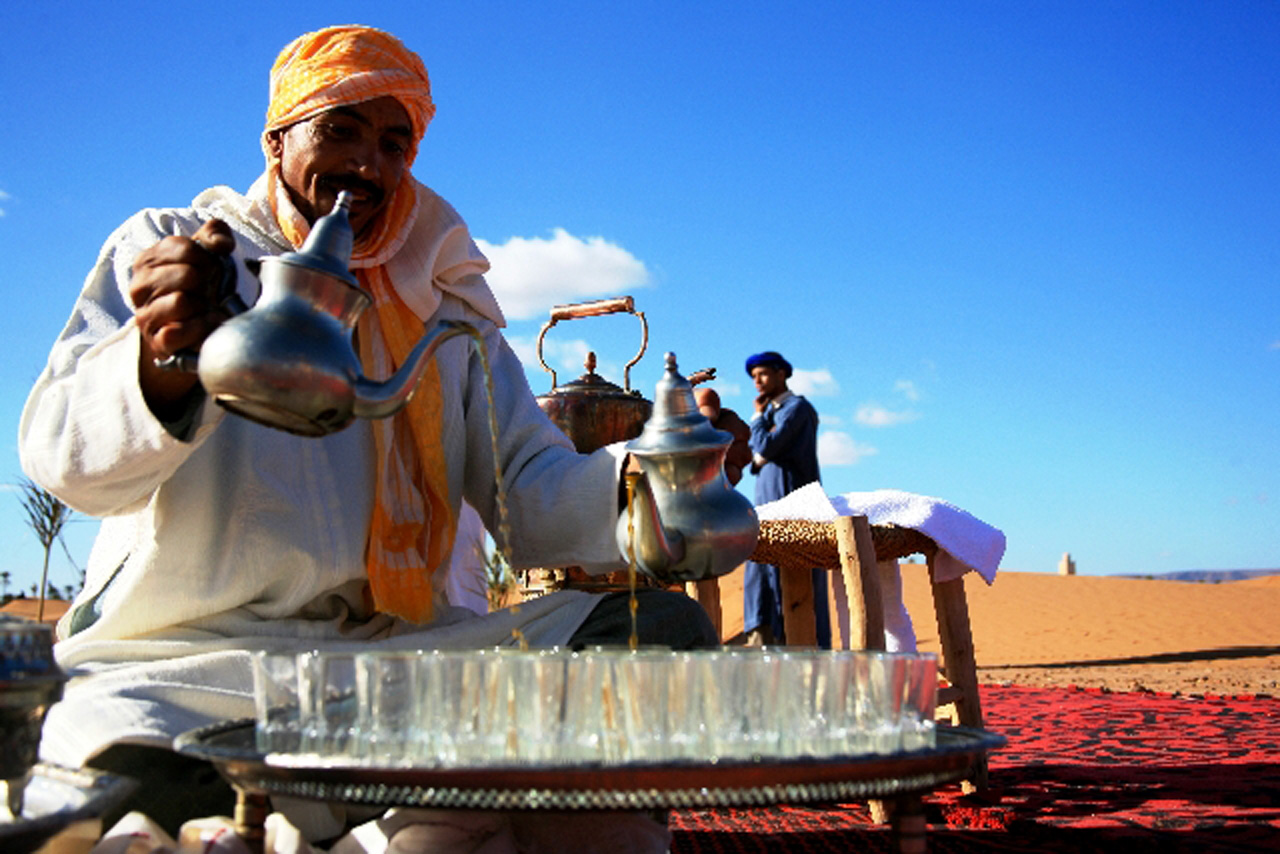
{"x": 562, "y": 354}
{"x": 531, "y": 274}
{"x": 817, "y": 383}
{"x": 826, "y": 419}
{"x": 727, "y": 389}
{"x": 840, "y": 449}
{"x": 526, "y": 350}
{"x": 566, "y": 357}
{"x": 907, "y": 389}
{"x": 4, "y": 197}
{"x": 874, "y": 415}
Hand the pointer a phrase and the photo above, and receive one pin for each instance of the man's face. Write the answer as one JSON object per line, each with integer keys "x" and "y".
{"x": 361, "y": 147}
{"x": 770, "y": 382}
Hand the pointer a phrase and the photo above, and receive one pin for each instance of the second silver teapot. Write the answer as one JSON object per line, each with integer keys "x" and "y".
{"x": 685, "y": 522}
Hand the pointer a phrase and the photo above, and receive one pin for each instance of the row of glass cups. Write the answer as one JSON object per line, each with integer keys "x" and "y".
{"x": 603, "y": 706}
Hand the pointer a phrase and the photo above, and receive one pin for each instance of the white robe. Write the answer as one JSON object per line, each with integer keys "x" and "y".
{"x": 245, "y": 537}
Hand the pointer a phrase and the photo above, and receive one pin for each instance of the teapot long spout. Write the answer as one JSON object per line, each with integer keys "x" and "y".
{"x": 382, "y": 399}
{"x": 656, "y": 550}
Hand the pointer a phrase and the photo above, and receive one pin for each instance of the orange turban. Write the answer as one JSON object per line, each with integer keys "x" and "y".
{"x": 347, "y": 65}
{"x": 412, "y": 529}
{"x": 335, "y": 67}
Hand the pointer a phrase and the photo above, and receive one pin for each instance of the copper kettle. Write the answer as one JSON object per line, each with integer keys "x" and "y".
{"x": 590, "y": 410}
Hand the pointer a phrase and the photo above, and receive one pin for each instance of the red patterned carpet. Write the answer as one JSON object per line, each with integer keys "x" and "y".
{"x": 1084, "y": 770}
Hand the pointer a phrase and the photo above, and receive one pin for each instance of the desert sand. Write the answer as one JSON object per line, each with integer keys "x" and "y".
{"x": 1123, "y": 634}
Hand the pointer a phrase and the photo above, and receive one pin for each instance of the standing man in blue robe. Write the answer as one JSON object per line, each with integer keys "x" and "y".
{"x": 784, "y": 447}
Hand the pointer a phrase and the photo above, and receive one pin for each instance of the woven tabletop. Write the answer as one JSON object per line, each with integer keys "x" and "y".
{"x": 801, "y": 544}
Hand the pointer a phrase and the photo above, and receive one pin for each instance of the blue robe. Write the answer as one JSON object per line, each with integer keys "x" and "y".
{"x": 786, "y": 436}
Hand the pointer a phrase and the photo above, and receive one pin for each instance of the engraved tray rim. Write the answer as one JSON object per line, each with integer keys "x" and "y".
{"x": 229, "y": 745}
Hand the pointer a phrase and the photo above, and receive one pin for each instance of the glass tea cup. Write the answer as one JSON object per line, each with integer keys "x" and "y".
{"x": 275, "y": 699}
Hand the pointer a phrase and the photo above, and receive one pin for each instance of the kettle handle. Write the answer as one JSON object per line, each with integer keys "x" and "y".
{"x": 228, "y": 300}
{"x": 595, "y": 308}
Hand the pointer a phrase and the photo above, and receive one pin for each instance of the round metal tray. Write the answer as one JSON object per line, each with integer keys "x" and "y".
{"x": 230, "y": 747}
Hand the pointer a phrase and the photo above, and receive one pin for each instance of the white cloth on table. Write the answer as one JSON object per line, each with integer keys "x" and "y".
{"x": 965, "y": 543}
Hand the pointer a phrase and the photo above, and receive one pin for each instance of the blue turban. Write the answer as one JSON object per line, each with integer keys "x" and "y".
{"x": 769, "y": 359}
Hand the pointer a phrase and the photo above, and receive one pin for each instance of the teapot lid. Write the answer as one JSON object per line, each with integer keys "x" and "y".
{"x": 677, "y": 425}
{"x": 327, "y": 248}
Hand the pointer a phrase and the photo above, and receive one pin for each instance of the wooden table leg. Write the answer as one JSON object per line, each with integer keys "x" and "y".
{"x": 251, "y": 819}
{"x": 798, "y": 619}
{"x": 861, "y": 582}
{"x": 959, "y": 665}
{"x": 909, "y": 826}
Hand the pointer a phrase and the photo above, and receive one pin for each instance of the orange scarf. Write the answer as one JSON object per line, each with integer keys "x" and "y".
{"x": 413, "y": 525}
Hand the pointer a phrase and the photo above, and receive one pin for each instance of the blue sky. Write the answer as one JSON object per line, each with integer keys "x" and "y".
{"x": 1024, "y": 256}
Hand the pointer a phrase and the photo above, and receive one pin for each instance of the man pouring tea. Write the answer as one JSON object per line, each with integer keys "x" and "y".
{"x": 221, "y": 536}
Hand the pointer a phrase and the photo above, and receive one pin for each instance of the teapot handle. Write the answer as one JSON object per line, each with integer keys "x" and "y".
{"x": 596, "y": 308}
{"x": 228, "y": 300}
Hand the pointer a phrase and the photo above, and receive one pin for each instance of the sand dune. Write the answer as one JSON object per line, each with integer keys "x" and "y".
{"x": 1119, "y": 633}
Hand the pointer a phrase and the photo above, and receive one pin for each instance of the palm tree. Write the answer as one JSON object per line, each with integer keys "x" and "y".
{"x": 4, "y": 583}
{"x": 46, "y": 515}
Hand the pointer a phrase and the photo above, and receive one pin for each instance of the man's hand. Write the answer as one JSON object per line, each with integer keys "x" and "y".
{"x": 174, "y": 289}
{"x": 739, "y": 454}
{"x": 762, "y": 400}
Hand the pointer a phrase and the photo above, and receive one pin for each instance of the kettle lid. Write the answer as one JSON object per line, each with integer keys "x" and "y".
{"x": 592, "y": 384}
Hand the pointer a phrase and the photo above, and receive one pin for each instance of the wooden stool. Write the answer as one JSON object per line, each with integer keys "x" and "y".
{"x": 853, "y": 547}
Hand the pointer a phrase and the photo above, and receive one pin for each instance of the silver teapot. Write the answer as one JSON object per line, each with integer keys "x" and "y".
{"x": 684, "y": 522}
{"x": 289, "y": 361}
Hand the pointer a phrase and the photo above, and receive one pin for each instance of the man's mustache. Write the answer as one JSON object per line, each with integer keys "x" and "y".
{"x": 336, "y": 183}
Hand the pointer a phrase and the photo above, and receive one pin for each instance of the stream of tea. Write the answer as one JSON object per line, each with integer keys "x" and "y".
{"x": 503, "y": 535}
{"x": 633, "y": 642}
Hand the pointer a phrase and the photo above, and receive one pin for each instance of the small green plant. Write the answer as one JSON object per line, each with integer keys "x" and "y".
{"x": 47, "y": 516}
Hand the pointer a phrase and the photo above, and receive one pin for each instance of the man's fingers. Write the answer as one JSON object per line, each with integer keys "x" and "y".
{"x": 182, "y": 263}
{"x": 708, "y": 401}
{"x": 215, "y": 236}
{"x": 738, "y": 455}
{"x": 170, "y": 338}
{"x": 150, "y": 283}
{"x": 176, "y": 320}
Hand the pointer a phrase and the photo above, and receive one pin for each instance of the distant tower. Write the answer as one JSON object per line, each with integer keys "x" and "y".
{"x": 1066, "y": 566}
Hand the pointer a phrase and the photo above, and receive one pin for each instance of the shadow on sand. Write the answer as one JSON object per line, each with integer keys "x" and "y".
{"x": 1218, "y": 654}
